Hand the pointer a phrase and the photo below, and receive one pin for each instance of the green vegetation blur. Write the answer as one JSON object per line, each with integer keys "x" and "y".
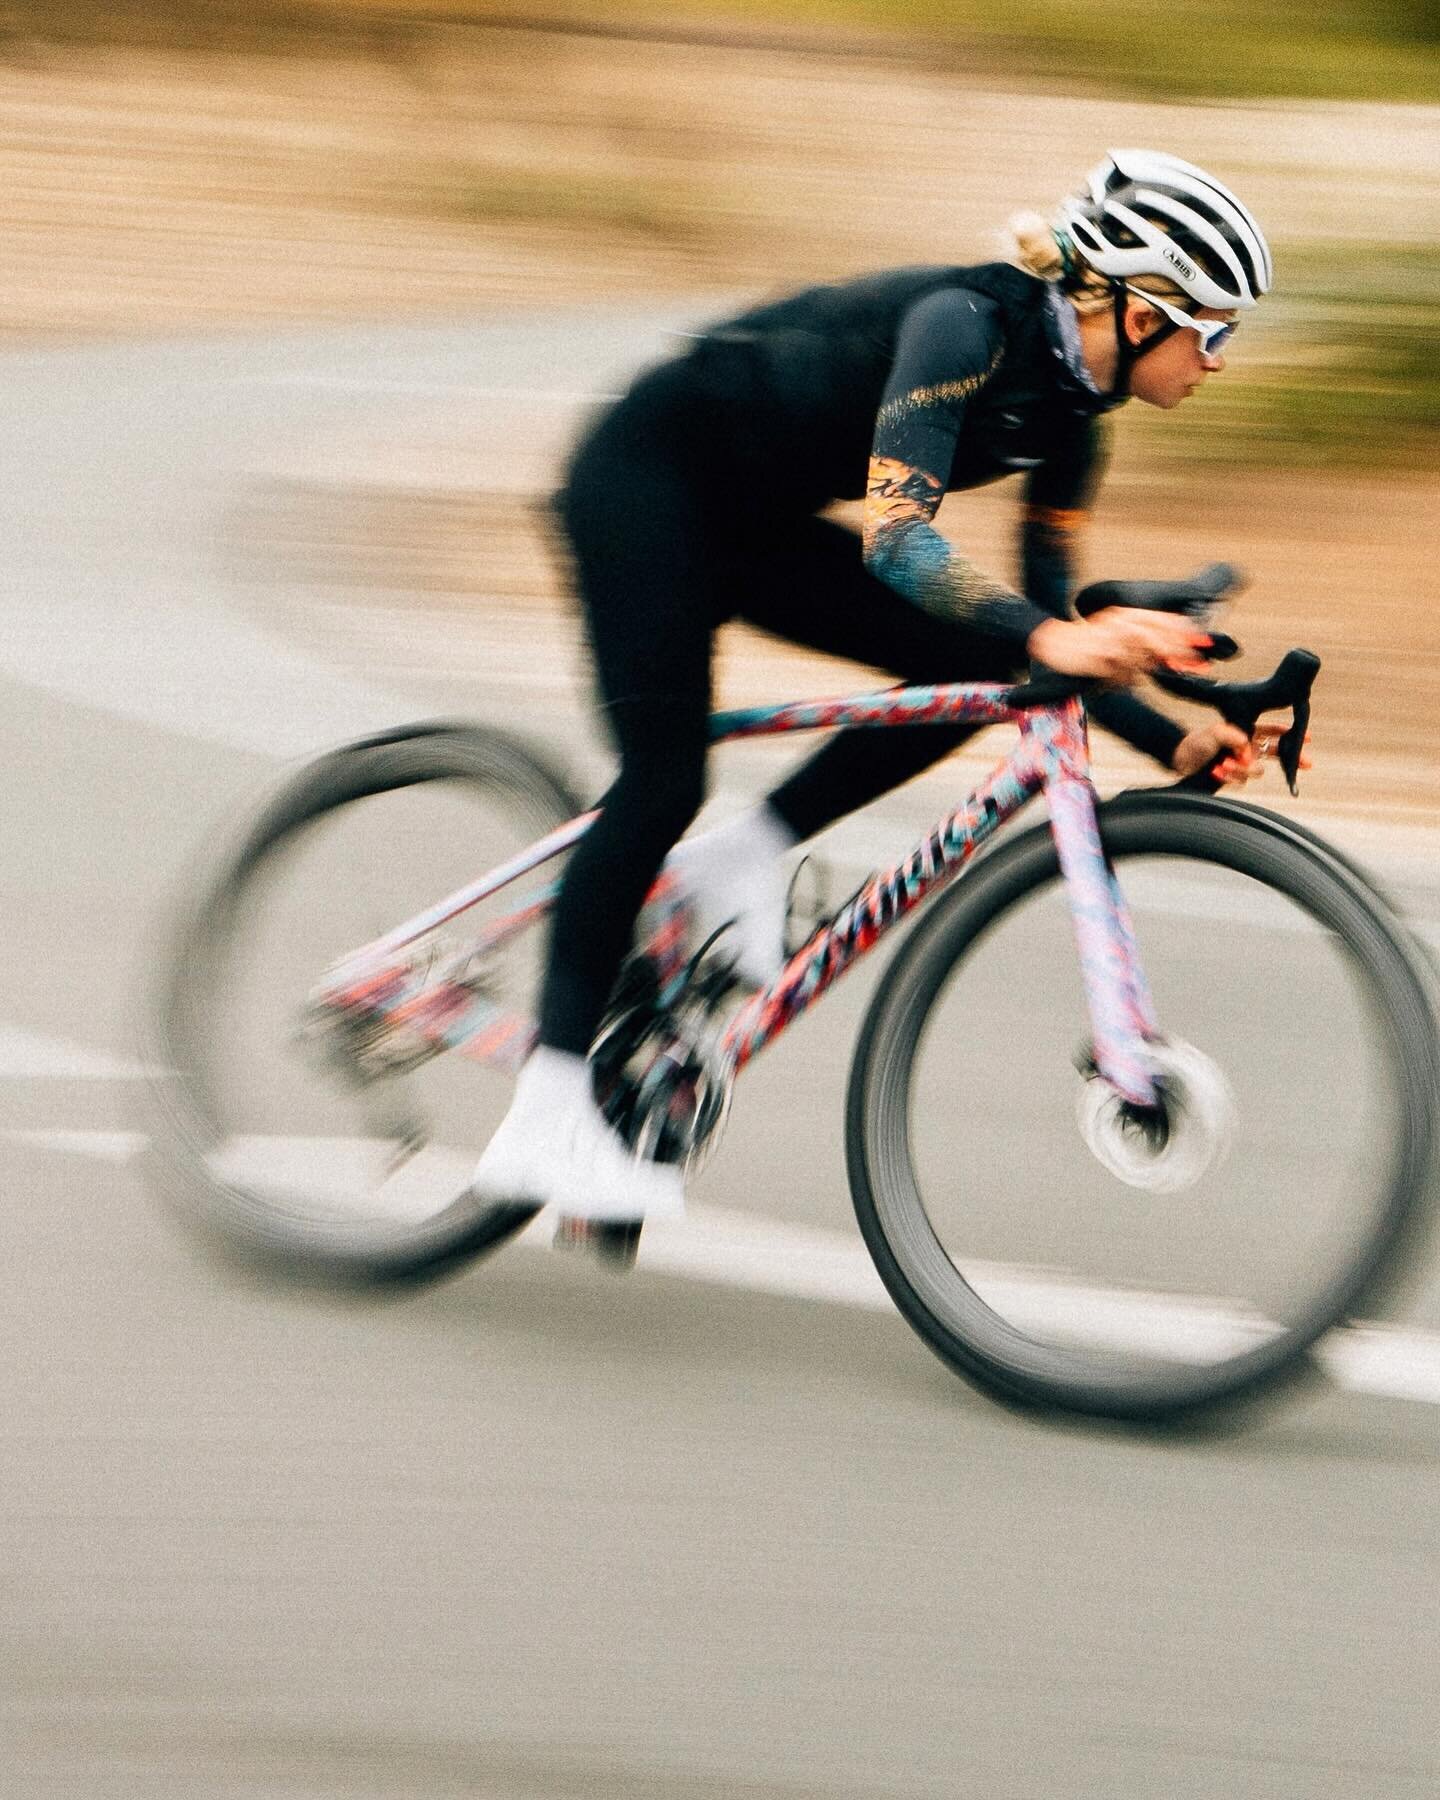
{"x": 1340, "y": 368}
{"x": 1345, "y": 49}
{"x": 1355, "y": 49}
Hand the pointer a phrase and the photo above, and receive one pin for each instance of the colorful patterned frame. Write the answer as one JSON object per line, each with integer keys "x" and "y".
{"x": 386, "y": 983}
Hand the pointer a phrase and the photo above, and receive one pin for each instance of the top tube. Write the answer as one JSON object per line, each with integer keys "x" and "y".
{"x": 943, "y": 704}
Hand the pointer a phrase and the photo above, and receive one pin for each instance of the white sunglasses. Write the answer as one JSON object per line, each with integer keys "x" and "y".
{"x": 1214, "y": 334}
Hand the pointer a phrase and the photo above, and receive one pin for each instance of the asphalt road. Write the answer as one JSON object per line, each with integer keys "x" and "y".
{"x": 538, "y": 1531}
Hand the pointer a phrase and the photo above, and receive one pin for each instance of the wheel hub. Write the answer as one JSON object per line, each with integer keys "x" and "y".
{"x": 1168, "y": 1148}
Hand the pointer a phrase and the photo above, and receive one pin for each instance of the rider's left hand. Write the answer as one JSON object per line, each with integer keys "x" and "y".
{"x": 1227, "y": 752}
{"x": 1207, "y": 745}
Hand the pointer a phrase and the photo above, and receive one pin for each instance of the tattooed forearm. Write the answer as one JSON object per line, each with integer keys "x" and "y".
{"x": 895, "y": 495}
{"x": 903, "y": 548}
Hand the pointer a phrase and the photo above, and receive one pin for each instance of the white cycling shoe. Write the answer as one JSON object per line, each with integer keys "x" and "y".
{"x": 554, "y": 1148}
{"x": 734, "y": 880}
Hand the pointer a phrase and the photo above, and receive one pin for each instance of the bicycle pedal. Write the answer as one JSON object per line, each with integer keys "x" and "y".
{"x": 617, "y": 1245}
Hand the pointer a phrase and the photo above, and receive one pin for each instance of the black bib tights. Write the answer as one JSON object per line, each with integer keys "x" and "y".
{"x": 661, "y": 561}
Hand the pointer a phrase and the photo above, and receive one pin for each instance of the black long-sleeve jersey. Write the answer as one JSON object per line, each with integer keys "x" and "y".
{"x": 904, "y": 386}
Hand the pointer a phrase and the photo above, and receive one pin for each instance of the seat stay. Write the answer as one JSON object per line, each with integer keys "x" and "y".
{"x": 443, "y": 911}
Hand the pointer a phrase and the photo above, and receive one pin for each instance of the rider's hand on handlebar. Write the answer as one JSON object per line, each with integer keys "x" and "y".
{"x": 1227, "y": 753}
{"x": 1119, "y": 643}
{"x": 1223, "y": 749}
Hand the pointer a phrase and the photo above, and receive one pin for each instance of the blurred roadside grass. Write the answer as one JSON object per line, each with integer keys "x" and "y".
{"x": 1355, "y": 49}
{"x": 1340, "y": 369}
{"x": 1344, "y": 49}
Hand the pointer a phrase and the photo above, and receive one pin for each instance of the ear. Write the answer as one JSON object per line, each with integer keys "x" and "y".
{"x": 1141, "y": 322}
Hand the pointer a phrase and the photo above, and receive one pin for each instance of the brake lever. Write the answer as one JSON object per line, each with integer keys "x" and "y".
{"x": 1241, "y": 703}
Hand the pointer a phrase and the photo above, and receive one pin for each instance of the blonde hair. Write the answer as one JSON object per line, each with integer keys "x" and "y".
{"x": 1046, "y": 250}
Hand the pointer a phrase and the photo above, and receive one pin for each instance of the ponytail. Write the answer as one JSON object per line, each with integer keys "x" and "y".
{"x": 1036, "y": 248}
{"x": 1047, "y": 250}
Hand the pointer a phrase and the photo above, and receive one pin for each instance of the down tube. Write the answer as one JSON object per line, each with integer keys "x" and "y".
{"x": 884, "y": 899}
{"x": 1113, "y": 987}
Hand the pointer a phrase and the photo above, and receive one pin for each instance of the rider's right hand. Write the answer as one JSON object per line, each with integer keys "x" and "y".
{"x": 1119, "y": 643}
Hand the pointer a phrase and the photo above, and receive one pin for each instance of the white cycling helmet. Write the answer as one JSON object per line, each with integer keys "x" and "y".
{"x": 1147, "y": 213}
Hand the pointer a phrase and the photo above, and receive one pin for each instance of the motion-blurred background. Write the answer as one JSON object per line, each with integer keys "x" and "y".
{"x": 171, "y": 165}
{"x": 299, "y": 304}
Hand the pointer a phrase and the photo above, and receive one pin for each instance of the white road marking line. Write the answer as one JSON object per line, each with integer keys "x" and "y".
{"x": 31, "y": 1054}
{"x": 729, "y": 1248}
{"x": 736, "y": 1249}
{"x": 1385, "y": 1360}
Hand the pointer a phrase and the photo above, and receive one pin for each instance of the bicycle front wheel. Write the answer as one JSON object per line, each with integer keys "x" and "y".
{"x": 1055, "y": 1267}
{"x": 335, "y": 1142}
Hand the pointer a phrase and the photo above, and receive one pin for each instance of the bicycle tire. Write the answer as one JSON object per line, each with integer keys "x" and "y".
{"x": 1280, "y": 826}
{"x": 184, "y": 1105}
{"x": 936, "y": 1300}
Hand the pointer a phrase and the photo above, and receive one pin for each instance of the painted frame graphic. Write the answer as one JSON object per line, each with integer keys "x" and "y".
{"x": 444, "y": 1003}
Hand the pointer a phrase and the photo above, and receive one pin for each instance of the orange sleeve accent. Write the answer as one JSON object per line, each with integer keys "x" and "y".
{"x": 1066, "y": 520}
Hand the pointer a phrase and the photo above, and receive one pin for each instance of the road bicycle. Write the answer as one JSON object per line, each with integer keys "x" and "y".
{"x": 1072, "y": 1203}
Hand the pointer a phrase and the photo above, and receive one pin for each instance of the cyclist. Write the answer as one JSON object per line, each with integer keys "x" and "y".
{"x": 696, "y": 499}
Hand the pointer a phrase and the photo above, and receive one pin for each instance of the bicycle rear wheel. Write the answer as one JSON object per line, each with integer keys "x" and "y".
{"x": 284, "y": 1136}
{"x": 1051, "y": 1278}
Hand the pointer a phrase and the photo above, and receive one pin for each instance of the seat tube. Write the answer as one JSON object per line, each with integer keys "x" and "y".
{"x": 1115, "y": 989}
